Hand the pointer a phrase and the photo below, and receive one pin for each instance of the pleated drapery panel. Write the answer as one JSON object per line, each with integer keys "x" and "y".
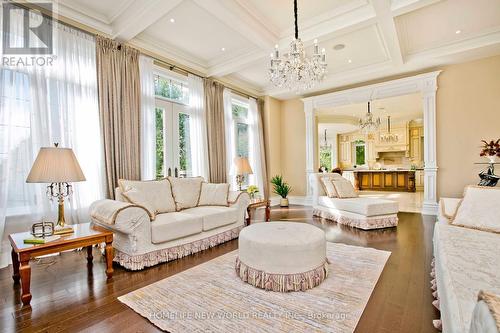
{"x": 214, "y": 103}
{"x": 263, "y": 149}
{"x": 119, "y": 90}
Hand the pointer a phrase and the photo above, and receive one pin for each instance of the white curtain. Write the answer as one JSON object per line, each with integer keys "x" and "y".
{"x": 230, "y": 138}
{"x": 255, "y": 146}
{"x": 40, "y": 105}
{"x": 198, "y": 127}
{"x": 148, "y": 129}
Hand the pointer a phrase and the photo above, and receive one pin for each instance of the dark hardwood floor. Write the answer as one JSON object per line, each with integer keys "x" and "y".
{"x": 68, "y": 297}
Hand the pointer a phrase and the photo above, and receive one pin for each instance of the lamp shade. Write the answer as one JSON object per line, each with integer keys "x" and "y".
{"x": 55, "y": 165}
{"x": 242, "y": 166}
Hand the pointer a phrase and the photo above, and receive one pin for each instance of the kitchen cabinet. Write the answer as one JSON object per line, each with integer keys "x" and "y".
{"x": 385, "y": 180}
{"x": 416, "y": 144}
{"x": 345, "y": 155}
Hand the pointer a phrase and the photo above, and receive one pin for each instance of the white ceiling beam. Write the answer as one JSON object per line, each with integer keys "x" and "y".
{"x": 400, "y": 7}
{"x": 139, "y": 16}
{"x": 236, "y": 63}
{"x": 335, "y": 22}
{"x": 238, "y": 19}
{"x": 388, "y": 30}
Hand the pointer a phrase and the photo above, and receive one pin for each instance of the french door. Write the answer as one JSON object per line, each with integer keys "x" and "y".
{"x": 173, "y": 148}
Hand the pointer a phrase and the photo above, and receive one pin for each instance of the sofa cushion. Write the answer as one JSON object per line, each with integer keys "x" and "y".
{"x": 344, "y": 188}
{"x": 328, "y": 187}
{"x": 479, "y": 209}
{"x": 175, "y": 225}
{"x": 186, "y": 191}
{"x": 214, "y": 216}
{"x": 361, "y": 205}
{"x": 214, "y": 195}
{"x": 154, "y": 195}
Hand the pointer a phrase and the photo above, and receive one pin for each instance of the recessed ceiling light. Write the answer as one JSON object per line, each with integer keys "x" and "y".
{"x": 458, "y": 32}
{"x": 349, "y": 61}
{"x": 172, "y": 20}
{"x": 223, "y": 49}
{"x": 338, "y": 47}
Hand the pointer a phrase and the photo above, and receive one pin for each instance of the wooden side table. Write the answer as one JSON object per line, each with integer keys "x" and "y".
{"x": 84, "y": 235}
{"x": 256, "y": 204}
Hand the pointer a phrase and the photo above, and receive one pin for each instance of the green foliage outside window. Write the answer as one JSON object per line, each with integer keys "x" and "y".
{"x": 170, "y": 89}
{"x": 160, "y": 173}
{"x": 240, "y": 112}
{"x": 360, "y": 152}
{"x": 184, "y": 144}
{"x": 242, "y": 140}
{"x": 325, "y": 158}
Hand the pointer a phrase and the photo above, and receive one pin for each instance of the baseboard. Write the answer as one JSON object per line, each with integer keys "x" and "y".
{"x": 294, "y": 200}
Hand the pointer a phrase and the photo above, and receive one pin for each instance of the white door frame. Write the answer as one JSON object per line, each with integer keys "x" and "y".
{"x": 426, "y": 84}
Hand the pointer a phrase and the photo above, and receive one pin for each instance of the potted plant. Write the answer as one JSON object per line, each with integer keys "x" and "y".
{"x": 490, "y": 149}
{"x": 282, "y": 189}
{"x": 252, "y": 190}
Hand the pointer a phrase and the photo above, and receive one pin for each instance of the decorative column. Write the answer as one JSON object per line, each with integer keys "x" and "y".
{"x": 430, "y": 204}
{"x": 309, "y": 114}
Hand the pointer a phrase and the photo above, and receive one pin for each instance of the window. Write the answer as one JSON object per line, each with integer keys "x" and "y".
{"x": 325, "y": 158}
{"x": 171, "y": 89}
{"x": 240, "y": 116}
{"x": 160, "y": 144}
{"x": 241, "y": 131}
{"x": 360, "y": 152}
{"x": 172, "y": 120}
{"x": 184, "y": 146}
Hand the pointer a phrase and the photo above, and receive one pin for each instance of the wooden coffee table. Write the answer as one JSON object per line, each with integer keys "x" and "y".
{"x": 254, "y": 204}
{"x": 84, "y": 235}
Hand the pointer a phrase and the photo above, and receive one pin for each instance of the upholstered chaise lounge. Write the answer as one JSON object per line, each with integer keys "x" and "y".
{"x": 359, "y": 212}
{"x": 142, "y": 240}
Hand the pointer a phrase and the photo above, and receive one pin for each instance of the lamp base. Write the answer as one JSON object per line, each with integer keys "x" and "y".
{"x": 58, "y": 230}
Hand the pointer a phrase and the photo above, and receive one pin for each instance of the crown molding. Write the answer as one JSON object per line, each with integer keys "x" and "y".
{"x": 167, "y": 51}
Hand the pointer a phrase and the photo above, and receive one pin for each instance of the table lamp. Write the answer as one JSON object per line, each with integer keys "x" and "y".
{"x": 242, "y": 168}
{"x": 58, "y": 167}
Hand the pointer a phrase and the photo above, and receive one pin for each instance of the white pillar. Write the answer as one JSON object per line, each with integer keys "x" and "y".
{"x": 310, "y": 123}
{"x": 430, "y": 205}
{"x": 335, "y": 153}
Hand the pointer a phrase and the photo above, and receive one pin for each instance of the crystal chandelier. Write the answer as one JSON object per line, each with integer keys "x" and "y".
{"x": 369, "y": 125}
{"x": 294, "y": 70}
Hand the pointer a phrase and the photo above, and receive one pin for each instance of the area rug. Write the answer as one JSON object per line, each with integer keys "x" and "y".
{"x": 211, "y": 298}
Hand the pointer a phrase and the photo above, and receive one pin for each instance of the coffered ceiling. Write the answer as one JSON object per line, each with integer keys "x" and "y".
{"x": 232, "y": 39}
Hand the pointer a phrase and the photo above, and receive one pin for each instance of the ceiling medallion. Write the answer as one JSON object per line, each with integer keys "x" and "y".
{"x": 294, "y": 70}
{"x": 369, "y": 124}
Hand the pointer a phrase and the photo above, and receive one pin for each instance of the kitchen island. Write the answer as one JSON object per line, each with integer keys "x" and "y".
{"x": 402, "y": 180}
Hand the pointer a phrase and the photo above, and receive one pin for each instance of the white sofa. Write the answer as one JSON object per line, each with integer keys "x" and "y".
{"x": 465, "y": 262}
{"x": 360, "y": 212}
{"x": 140, "y": 242}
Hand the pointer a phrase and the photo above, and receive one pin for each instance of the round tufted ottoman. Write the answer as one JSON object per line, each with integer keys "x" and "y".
{"x": 282, "y": 256}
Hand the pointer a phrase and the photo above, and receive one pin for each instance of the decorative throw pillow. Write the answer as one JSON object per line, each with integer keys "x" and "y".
{"x": 213, "y": 194}
{"x": 479, "y": 209}
{"x": 155, "y": 194}
{"x": 328, "y": 187}
{"x": 137, "y": 197}
{"x": 344, "y": 188}
{"x": 186, "y": 191}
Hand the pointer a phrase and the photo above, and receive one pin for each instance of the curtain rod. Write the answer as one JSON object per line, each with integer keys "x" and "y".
{"x": 156, "y": 58}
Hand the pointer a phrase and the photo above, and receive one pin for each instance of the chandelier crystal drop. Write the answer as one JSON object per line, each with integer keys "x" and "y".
{"x": 369, "y": 125}
{"x": 294, "y": 70}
